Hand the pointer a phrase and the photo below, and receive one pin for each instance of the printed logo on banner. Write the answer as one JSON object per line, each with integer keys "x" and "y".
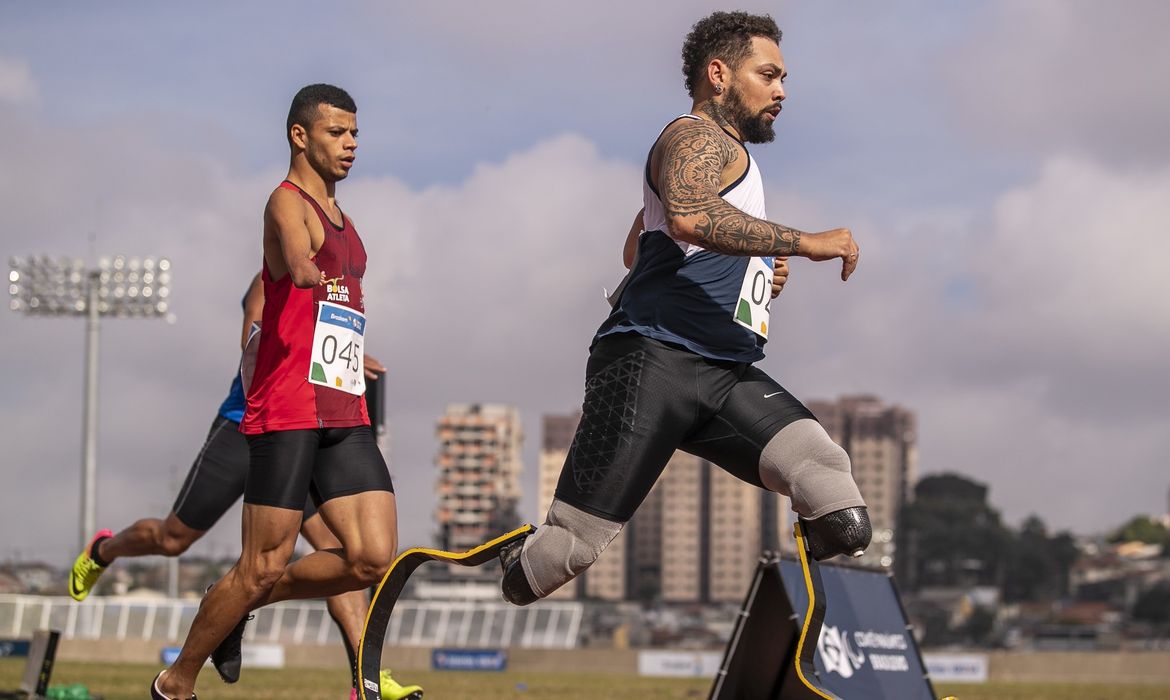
{"x": 469, "y": 660}
{"x": 841, "y": 651}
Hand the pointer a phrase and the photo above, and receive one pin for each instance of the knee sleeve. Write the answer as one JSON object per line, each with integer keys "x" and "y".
{"x": 803, "y": 462}
{"x": 568, "y": 542}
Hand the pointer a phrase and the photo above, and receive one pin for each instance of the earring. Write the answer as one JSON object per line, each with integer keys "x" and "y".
{"x": 718, "y": 89}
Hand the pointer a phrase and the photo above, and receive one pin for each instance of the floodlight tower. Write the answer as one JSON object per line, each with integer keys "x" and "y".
{"x": 120, "y": 287}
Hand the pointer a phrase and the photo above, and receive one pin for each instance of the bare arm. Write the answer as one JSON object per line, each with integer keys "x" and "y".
{"x": 288, "y": 243}
{"x": 631, "y": 245}
{"x": 253, "y": 308}
{"x": 692, "y": 158}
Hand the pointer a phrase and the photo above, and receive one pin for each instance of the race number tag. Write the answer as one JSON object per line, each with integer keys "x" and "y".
{"x": 755, "y": 296}
{"x": 338, "y": 343}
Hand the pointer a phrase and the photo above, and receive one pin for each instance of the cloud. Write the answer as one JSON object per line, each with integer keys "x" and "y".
{"x": 17, "y": 85}
{"x": 1080, "y": 77}
{"x": 1030, "y": 339}
{"x": 487, "y": 290}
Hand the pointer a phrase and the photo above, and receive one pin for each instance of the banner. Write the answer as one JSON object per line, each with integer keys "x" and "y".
{"x": 957, "y": 668}
{"x": 865, "y": 651}
{"x": 469, "y": 659}
{"x": 678, "y": 664}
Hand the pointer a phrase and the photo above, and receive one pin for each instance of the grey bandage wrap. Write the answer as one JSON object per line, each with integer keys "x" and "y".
{"x": 803, "y": 462}
{"x": 568, "y": 542}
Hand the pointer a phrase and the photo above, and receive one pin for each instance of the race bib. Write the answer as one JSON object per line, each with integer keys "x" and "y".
{"x": 338, "y": 344}
{"x": 755, "y": 296}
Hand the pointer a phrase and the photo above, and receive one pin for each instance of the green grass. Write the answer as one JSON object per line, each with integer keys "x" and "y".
{"x": 129, "y": 682}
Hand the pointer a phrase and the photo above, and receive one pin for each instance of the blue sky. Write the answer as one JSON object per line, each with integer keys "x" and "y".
{"x": 1003, "y": 166}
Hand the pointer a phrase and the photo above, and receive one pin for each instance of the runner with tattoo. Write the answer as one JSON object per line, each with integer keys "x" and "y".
{"x": 672, "y": 366}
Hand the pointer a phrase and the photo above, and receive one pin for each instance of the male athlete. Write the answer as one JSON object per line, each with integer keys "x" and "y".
{"x": 305, "y": 421}
{"x": 214, "y": 483}
{"x": 671, "y": 368}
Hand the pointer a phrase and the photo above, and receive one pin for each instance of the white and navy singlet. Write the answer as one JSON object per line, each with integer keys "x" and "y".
{"x": 684, "y": 294}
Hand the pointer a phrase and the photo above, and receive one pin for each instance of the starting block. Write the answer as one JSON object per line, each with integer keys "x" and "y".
{"x": 813, "y": 631}
{"x": 42, "y": 655}
{"x": 386, "y": 595}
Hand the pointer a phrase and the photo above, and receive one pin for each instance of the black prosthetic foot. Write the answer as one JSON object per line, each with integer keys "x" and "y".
{"x": 514, "y": 584}
{"x": 845, "y": 531}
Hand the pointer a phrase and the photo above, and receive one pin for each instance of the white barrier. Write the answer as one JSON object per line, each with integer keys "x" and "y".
{"x": 495, "y": 624}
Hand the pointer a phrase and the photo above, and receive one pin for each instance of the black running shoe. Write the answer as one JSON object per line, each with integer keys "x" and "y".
{"x": 227, "y": 657}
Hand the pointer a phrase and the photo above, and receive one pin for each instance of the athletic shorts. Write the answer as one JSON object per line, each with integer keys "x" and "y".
{"x": 216, "y": 479}
{"x": 322, "y": 463}
{"x": 644, "y": 399}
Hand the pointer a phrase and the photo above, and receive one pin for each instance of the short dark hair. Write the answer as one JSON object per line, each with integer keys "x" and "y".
{"x": 726, "y": 36}
{"x": 307, "y": 101}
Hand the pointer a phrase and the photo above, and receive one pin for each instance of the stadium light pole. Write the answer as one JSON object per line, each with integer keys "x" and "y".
{"x": 120, "y": 287}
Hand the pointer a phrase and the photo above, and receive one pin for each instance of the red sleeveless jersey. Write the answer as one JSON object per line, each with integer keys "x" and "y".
{"x": 281, "y": 396}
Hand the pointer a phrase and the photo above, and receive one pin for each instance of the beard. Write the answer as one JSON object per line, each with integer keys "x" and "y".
{"x": 754, "y": 127}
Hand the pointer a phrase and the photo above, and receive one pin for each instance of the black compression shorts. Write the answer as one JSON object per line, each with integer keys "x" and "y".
{"x": 324, "y": 463}
{"x": 216, "y": 479}
{"x": 644, "y": 399}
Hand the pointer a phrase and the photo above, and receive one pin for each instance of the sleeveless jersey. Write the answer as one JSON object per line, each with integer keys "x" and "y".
{"x": 684, "y": 294}
{"x": 289, "y": 388}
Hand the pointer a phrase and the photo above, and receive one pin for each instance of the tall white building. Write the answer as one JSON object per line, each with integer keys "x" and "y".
{"x": 479, "y": 465}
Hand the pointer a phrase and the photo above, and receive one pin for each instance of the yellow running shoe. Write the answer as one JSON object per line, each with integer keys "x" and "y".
{"x": 391, "y": 690}
{"x": 86, "y": 571}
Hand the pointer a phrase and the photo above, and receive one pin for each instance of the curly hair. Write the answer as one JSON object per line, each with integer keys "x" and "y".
{"x": 726, "y": 36}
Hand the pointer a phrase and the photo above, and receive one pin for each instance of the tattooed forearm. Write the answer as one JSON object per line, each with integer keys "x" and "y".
{"x": 693, "y": 159}
{"x": 725, "y": 229}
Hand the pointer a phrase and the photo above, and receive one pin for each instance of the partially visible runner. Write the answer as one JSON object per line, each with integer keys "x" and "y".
{"x": 672, "y": 366}
{"x": 306, "y": 422}
{"x": 213, "y": 484}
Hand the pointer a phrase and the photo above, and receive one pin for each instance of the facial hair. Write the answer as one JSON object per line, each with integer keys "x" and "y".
{"x": 753, "y": 127}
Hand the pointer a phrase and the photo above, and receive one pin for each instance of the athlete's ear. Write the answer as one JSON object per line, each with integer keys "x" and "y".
{"x": 298, "y": 136}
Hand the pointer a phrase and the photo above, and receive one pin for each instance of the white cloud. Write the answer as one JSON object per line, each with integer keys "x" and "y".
{"x": 1032, "y": 340}
{"x": 488, "y": 290}
{"x": 1067, "y": 76}
{"x": 17, "y": 85}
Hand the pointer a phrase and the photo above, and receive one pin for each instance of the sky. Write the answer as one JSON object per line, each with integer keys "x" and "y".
{"x": 1003, "y": 166}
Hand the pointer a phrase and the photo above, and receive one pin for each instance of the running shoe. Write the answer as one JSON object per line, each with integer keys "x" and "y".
{"x": 391, "y": 690}
{"x": 227, "y": 657}
{"x": 86, "y": 571}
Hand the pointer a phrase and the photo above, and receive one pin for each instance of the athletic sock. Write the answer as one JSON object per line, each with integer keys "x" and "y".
{"x": 93, "y": 552}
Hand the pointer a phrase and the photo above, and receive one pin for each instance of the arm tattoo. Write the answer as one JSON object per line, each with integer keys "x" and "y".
{"x": 693, "y": 158}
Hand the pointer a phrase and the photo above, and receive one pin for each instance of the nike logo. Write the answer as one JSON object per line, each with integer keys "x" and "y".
{"x": 774, "y": 393}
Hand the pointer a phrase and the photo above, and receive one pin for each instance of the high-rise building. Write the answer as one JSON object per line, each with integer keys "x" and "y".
{"x": 683, "y": 490}
{"x": 479, "y": 463}
{"x": 736, "y": 531}
{"x": 883, "y": 450}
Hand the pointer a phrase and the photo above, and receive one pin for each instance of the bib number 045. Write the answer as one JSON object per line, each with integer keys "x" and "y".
{"x": 338, "y": 342}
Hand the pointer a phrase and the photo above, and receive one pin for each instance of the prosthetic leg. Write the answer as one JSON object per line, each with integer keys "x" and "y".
{"x": 810, "y": 630}
{"x": 385, "y": 597}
